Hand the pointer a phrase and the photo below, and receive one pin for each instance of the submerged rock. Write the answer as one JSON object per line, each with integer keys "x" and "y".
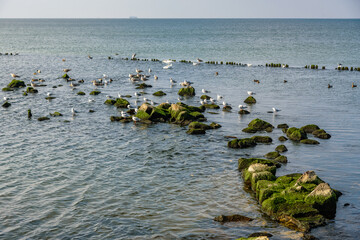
{"x": 120, "y": 119}
{"x": 283, "y": 125}
{"x": 272, "y": 155}
{"x": 309, "y": 141}
{"x": 110, "y": 101}
{"x": 296, "y": 134}
{"x": 31, "y": 90}
{"x": 43, "y": 119}
{"x": 195, "y": 131}
{"x": 29, "y": 114}
{"x": 250, "y": 100}
{"x": 159, "y": 93}
{"x": 198, "y": 125}
{"x": 211, "y": 106}
{"x": 6, "y": 104}
{"x": 6, "y": 89}
{"x": 282, "y": 139}
{"x": 205, "y": 97}
{"x": 80, "y": 93}
{"x": 281, "y": 159}
{"x": 258, "y": 125}
{"x": 243, "y": 111}
{"x": 215, "y": 125}
{"x": 121, "y": 103}
{"x": 321, "y": 133}
{"x": 143, "y": 86}
{"x": 232, "y": 218}
{"x": 281, "y": 148}
{"x": 56, "y": 114}
{"x": 66, "y": 76}
{"x": 16, "y": 84}
{"x": 262, "y": 139}
{"x": 242, "y": 143}
{"x": 95, "y": 92}
{"x": 310, "y": 128}
{"x": 188, "y": 91}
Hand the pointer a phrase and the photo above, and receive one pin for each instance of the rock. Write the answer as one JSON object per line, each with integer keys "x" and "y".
{"x": 29, "y": 114}
{"x": 324, "y": 199}
{"x": 110, "y": 101}
{"x": 281, "y": 159}
{"x": 243, "y": 111}
{"x": 6, "y": 104}
{"x": 188, "y": 91}
{"x": 249, "y": 130}
{"x": 283, "y": 125}
{"x": 281, "y": 148}
{"x": 198, "y": 125}
{"x": 282, "y": 139}
{"x": 50, "y": 98}
{"x": 95, "y": 92}
{"x": 308, "y": 237}
{"x": 254, "y": 238}
{"x": 309, "y": 177}
{"x": 284, "y": 130}
{"x": 242, "y": 143}
{"x": 56, "y": 114}
{"x": 244, "y": 163}
{"x": 310, "y": 128}
{"x": 164, "y": 105}
{"x": 6, "y": 89}
{"x": 215, "y": 125}
{"x": 159, "y": 93}
{"x": 195, "y": 131}
{"x": 262, "y": 139}
{"x": 227, "y": 108}
{"x": 143, "y": 86}
{"x": 205, "y": 97}
{"x": 31, "y": 90}
{"x": 272, "y": 155}
{"x": 250, "y": 100}
{"x": 321, "y": 133}
{"x": 211, "y": 106}
{"x": 269, "y": 129}
{"x": 121, "y": 103}
{"x": 43, "y": 119}
{"x": 296, "y": 134}
{"x": 232, "y": 218}
{"x": 260, "y": 234}
{"x": 66, "y": 76}
{"x": 91, "y": 111}
{"x": 259, "y": 125}
{"x": 309, "y": 141}
{"x": 120, "y": 119}
{"x": 16, "y": 84}
{"x": 80, "y": 93}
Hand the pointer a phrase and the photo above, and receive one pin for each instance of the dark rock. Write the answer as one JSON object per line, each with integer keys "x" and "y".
{"x": 242, "y": 143}
{"x": 43, "y": 119}
{"x": 272, "y": 155}
{"x": 6, "y": 89}
{"x": 159, "y": 93}
{"x": 260, "y": 234}
{"x": 309, "y": 141}
{"x": 120, "y": 119}
{"x": 50, "y": 98}
{"x": 188, "y": 91}
{"x": 232, "y": 218}
{"x": 6, "y": 104}
{"x": 91, "y": 111}
{"x": 198, "y": 125}
{"x": 262, "y": 139}
{"x": 211, "y": 106}
{"x": 249, "y": 130}
{"x": 282, "y": 139}
{"x": 250, "y": 100}
{"x": 281, "y": 148}
{"x": 322, "y": 134}
{"x": 243, "y": 111}
{"x": 95, "y": 92}
{"x": 205, "y": 97}
{"x": 296, "y": 134}
{"x": 310, "y": 128}
{"x": 31, "y": 90}
{"x": 283, "y": 125}
{"x": 29, "y": 114}
{"x": 56, "y": 114}
{"x": 227, "y": 108}
{"x": 215, "y": 125}
{"x": 16, "y": 84}
{"x": 195, "y": 131}
{"x": 259, "y": 125}
{"x": 80, "y": 93}
{"x": 121, "y": 103}
{"x": 269, "y": 129}
{"x": 281, "y": 159}
{"x": 66, "y": 76}
{"x": 110, "y": 101}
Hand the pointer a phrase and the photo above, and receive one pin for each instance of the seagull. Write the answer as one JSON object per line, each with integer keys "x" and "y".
{"x": 136, "y": 94}
{"x": 6, "y": 98}
{"x": 155, "y": 77}
{"x": 199, "y": 60}
{"x": 105, "y": 76}
{"x": 275, "y": 110}
{"x": 73, "y": 111}
{"x": 136, "y": 119}
{"x": 124, "y": 114}
{"x": 242, "y": 107}
{"x": 196, "y": 63}
{"x": 90, "y": 57}
{"x": 150, "y": 70}
{"x": 168, "y": 66}
{"x": 204, "y": 91}
{"x": 219, "y": 97}
{"x": 119, "y": 95}
{"x": 146, "y": 99}
{"x": 212, "y": 101}
{"x": 49, "y": 94}
{"x": 167, "y": 61}
{"x": 202, "y": 102}
{"x": 91, "y": 100}
{"x": 249, "y": 64}
{"x": 138, "y": 70}
{"x": 250, "y": 93}
{"x": 172, "y": 81}
{"x": 66, "y": 70}
{"x": 330, "y": 86}
{"x": 14, "y": 75}
{"x": 133, "y": 56}
{"x": 339, "y": 65}
{"x": 128, "y": 106}
{"x": 225, "y": 104}
{"x": 136, "y": 110}
{"x": 38, "y": 71}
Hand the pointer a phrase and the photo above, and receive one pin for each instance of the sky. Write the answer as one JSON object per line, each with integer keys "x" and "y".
{"x": 180, "y": 8}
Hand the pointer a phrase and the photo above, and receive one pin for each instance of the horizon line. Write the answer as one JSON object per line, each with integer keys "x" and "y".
{"x": 140, "y": 18}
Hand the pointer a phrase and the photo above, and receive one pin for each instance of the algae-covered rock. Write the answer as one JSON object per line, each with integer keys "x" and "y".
{"x": 29, "y": 114}
{"x": 159, "y": 115}
{"x": 110, "y": 101}
{"x": 282, "y": 139}
{"x": 250, "y": 100}
{"x": 164, "y": 105}
{"x": 56, "y": 114}
{"x": 95, "y": 92}
{"x": 232, "y": 218}
{"x": 16, "y": 84}
{"x": 281, "y": 148}
{"x": 195, "y": 131}
{"x": 43, "y": 119}
{"x": 31, "y": 90}
{"x": 66, "y": 76}
{"x": 143, "y": 86}
{"x": 188, "y": 91}
{"x": 80, "y": 93}
{"x": 211, "y": 106}
{"x": 121, "y": 103}
{"x": 205, "y": 97}
{"x": 244, "y": 163}
{"x": 243, "y": 111}
{"x": 6, "y": 104}
{"x": 227, "y": 108}
{"x": 142, "y": 115}
{"x": 50, "y": 98}
{"x": 283, "y": 125}
{"x": 242, "y": 143}
{"x": 6, "y": 89}
{"x": 321, "y": 133}
{"x": 159, "y": 93}
{"x": 259, "y": 124}
{"x": 272, "y": 155}
{"x": 296, "y": 134}
{"x": 281, "y": 159}
{"x": 121, "y": 119}
{"x": 198, "y": 125}
{"x": 215, "y": 125}
{"x": 249, "y": 130}
{"x": 146, "y": 108}
{"x": 310, "y": 128}
{"x": 309, "y": 141}
{"x": 262, "y": 139}
{"x": 309, "y": 177}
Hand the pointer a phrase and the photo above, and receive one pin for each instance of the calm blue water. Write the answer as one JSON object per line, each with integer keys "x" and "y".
{"x": 89, "y": 178}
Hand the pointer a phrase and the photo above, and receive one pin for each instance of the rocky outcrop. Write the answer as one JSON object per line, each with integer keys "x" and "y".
{"x": 188, "y": 91}
{"x": 296, "y": 134}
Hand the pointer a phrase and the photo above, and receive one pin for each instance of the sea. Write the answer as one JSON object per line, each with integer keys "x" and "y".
{"x": 85, "y": 177}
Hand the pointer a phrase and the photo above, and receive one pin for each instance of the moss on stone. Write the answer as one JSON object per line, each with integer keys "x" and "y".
{"x": 283, "y": 125}
{"x": 31, "y": 90}
{"x": 188, "y": 91}
{"x": 56, "y": 114}
{"x": 198, "y": 125}
{"x": 296, "y": 134}
{"x": 244, "y": 163}
{"x": 95, "y": 92}
{"x": 262, "y": 139}
{"x": 242, "y": 143}
{"x": 281, "y": 159}
{"x": 282, "y": 139}
{"x": 80, "y": 93}
{"x": 110, "y": 101}
{"x": 250, "y": 100}
{"x": 215, "y": 125}
{"x": 309, "y": 141}
{"x": 211, "y": 106}
{"x": 142, "y": 115}
{"x": 6, "y": 89}
{"x": 281, "y": 148}
{"x": 43, "y": 119}
{"x": 232, "y": 218}
{"x": 272, "y": 155}
{"x": 249, "y": 130}
{"x": 6, "y": 104}
{"x": 321, "y": 133}
{"x": 194, "y": 131}
{"x": 310, "y": 128}
{"x": 143, "y": 86}
{"x": 205, "y": 97}
{"x": 16, "y": 84}
{"x": 259, "y": 124}
{"x": 121, "y": 103}
{"x": 159, "y": 93}
{"x": 66, "y": 76}
{"x": 243, "y": 111}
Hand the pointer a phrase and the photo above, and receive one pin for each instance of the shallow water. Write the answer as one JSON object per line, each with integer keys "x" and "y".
{"x": 91, "y": 178}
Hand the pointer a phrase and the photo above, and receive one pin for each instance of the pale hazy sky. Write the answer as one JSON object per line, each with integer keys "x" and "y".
{"x": 180, "y": 8}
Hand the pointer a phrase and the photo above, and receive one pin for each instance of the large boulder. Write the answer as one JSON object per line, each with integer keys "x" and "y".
{"x": 296, "y": 134}
{"x": 310, "y": 128}
{"x": 250, "y": 100}
{"x": 121, "y": 103}
{"x": 242, "y": 143}
{"x": 258, "y": 125}
{"x": 188, "y": 91}
{"x": 16, "y": 84}
{"x": 321, "y": 133}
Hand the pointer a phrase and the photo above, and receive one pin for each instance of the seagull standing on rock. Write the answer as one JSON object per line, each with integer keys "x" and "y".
{"x": 205, "y": 91}
{"x": 242, "y": 107}
{"x": 14, "y": 75}
{"x": 275, "y": 110}
{"x": 250, "y": 93}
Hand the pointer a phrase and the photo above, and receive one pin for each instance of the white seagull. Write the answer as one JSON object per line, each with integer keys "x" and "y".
{"x": 133, "y": 56}
{"x": 73, "y": 111}
{"x": 219, "y": 97}
{"x": 136, "y": 119}
{"x": 275, "y": 110}
{"x": 155, "y": 77}
{"x": 167, "y": 66}
{"x": 14, "y": 75}
{"x": 250, "y": 93}
{"x": 204, "y": 91}
{"x": 242, "y": 107}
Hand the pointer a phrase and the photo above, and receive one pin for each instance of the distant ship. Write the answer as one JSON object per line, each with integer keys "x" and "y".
{"x": 133, "y": 17}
